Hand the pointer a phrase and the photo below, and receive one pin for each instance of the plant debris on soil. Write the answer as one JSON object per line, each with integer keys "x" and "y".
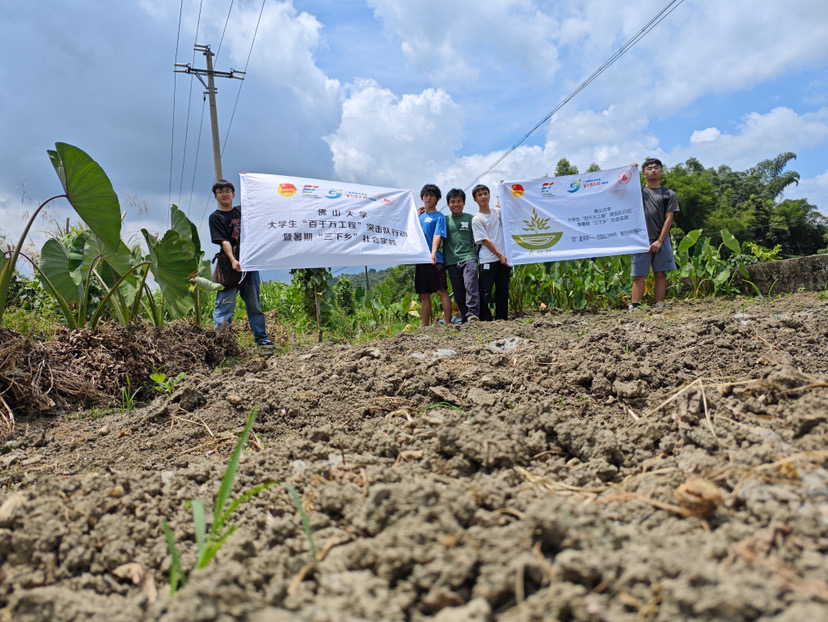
{"x": 83, "y": 368}
{"x": 648, "y": 465}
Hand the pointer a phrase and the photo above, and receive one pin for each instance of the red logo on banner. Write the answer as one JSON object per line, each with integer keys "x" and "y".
{"x": 287, "y": 190}
{"x": 517, "y": 190}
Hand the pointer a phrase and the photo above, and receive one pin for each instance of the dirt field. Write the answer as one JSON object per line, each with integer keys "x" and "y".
{"x": 610, "y": 466}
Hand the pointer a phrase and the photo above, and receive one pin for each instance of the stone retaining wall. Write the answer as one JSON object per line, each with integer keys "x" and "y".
{"x": 787, "y": 276}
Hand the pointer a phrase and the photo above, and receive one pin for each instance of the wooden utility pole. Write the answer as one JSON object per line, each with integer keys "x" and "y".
{"x": 211, "y": 93}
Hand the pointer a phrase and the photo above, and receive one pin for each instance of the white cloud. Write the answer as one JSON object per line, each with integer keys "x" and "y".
{"x": 758, "y": 137}
{"x": 614, "y": 137}
{"x": 283, "y": 52}
{"x": 814, "y": 189}
{"x": 723, "y": 47}
{"x": 453, "y": 41}
{"x": 707, "y": 135}
{"x": 384, "y": 139}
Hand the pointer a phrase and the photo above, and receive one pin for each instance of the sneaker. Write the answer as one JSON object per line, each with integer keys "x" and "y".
{"x": 472, "y": 318}
{"x": 456, "y": 320}
{"x": 266, "y": 343}
{"x": 441, "y": 322}
{"x": 633, "y": 306}
{"x": 658, "y": 305}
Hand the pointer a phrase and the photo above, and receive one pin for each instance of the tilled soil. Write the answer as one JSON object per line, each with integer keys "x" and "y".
{"x": 611, "y": 466}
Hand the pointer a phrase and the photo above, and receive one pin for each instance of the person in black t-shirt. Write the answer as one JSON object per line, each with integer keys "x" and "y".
{"x": 225, "y": 224}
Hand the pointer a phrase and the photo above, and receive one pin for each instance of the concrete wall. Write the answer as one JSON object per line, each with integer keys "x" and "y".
{"x": 787, "y": 276}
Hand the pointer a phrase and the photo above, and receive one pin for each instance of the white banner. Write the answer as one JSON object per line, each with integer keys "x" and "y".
{"x": 588, "y": 215}
{"x": 294, "y": 222}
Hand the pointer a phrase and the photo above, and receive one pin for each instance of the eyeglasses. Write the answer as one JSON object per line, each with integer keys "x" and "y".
{"x": 224, "y": 191}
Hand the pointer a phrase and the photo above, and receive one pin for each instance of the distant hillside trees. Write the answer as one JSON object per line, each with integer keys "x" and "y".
{"x": 747, "y": 204}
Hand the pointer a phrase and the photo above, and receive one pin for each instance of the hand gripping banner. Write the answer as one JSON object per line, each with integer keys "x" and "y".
{"x": 294, "y": 222}
{"x": 571, "y": 217}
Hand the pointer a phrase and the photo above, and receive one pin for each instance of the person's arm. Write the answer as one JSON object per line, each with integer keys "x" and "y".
{"x": 228, "y": 250}
{"x": 665, "y": 231}
{"x": 500, "y": 256}
{"x": 435, "y": 246}
{"x": 480, "y": 237}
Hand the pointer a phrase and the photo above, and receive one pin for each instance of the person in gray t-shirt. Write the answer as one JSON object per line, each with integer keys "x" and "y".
{"x": 660, "y": 206}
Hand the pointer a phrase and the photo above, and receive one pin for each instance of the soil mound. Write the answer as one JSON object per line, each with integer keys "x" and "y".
{"x": 610, "y": 466}
{"x": 84, "y": 368}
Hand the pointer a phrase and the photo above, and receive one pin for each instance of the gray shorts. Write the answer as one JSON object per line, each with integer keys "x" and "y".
{"x": 662, "y": 261}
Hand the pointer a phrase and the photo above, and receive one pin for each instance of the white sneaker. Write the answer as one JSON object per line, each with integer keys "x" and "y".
{"x": 472, "y": 318}
{"x": 658, "y": 305}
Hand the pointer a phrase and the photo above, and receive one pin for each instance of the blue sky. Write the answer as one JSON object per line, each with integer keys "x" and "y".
{"x": 400, "y": 93}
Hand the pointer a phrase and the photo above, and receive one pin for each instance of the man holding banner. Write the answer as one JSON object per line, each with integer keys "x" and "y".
{"x": 225, "y": 224}
{"x": 660, "y": 206}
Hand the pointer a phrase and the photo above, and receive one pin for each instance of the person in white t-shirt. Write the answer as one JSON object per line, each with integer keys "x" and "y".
{"x": 495, "y": 271}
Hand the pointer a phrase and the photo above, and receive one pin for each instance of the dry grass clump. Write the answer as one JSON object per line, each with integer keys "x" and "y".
{"x": 85, "y": 368}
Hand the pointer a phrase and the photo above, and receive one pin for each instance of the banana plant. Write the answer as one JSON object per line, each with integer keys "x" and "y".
{"x": 89, "y": 192}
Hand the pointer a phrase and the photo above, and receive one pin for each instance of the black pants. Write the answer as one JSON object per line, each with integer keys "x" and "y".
{"x": 495, "y": 275}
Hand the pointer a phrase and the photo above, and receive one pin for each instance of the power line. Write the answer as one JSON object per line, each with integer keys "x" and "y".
{"x": 189, "y": 104}
{"x": 247, "y": 62}
{"x": 172, "y": 129}
{"x": 226, "y": 21}
{"x": 655, "y": 21}
{"x": 238, "y": 94}
{"x": 197, "y": 151}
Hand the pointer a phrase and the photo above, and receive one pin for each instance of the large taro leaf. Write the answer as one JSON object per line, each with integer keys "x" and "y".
{"x": 172, "y": 263}
{"x": 56, "y": 264}
{"x": 89, "y": 191}
{"x": 113, "y": 266}
{"x": 185, "y": 228}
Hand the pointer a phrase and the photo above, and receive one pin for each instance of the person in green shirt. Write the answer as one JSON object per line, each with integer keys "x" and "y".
{"x": 461, "y": 257}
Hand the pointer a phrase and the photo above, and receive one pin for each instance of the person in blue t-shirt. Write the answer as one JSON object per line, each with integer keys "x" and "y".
{"x": 431, "y": 277}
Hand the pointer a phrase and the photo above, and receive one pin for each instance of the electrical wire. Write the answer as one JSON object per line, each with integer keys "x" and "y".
{"x": 197, "y": 151}
{"x": 655, "y": 21}
{"x": 189, "y": 105}
{"x": 247, "y": 62}
{"x": 226, "y": 21}
{"x": 172, "y": 129}
{"x": 238, "y": 95}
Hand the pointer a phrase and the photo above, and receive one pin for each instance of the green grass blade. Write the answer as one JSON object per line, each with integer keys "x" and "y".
{"x": 237, "y": 502}
{"x": 176, "y": 572}
{"x": 200, "y": 525}
{"x": 230, "y": 472}
{"x": 213, "y": 546}
{"x": 305, "y": 522}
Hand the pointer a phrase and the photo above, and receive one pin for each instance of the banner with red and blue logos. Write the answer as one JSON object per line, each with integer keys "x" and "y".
{"x": 296, "y": 222}
{"x": 572, "y": 217}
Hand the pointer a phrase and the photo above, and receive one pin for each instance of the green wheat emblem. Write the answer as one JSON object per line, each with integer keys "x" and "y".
{"x": 539, "y": 238}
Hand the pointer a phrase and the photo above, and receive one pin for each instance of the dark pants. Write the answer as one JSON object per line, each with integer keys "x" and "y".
{"x": 465, "y": 286}
{"x": 495, "y": 275}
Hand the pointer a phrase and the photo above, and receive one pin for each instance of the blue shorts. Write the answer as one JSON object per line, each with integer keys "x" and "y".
{"x": 662, "y": 261}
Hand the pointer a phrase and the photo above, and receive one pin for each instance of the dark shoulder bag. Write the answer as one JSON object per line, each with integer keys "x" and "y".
{"x": 223, "y": 274}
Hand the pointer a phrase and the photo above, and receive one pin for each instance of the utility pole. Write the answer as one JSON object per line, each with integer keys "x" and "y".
{"x": 211, "y": 93}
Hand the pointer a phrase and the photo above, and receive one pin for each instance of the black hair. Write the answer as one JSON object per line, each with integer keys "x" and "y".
{"x": 221, "y": 184}
{"x": 649, "y": 161}
{"x": 478, "y": 188}
{"x": 455, "y": 192}
{"x": 432, "y": 190}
